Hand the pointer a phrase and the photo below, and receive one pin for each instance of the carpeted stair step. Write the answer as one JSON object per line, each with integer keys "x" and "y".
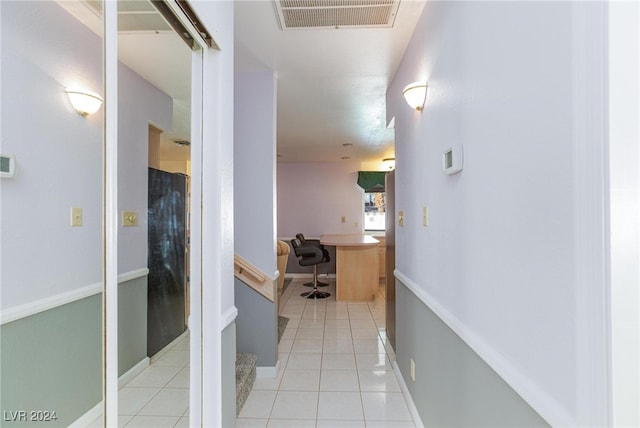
{"x": 245, "y": 376}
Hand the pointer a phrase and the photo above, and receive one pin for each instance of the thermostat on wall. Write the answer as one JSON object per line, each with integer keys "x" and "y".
{"x": 452, "y": 160}
{"x": 7, "y": 166}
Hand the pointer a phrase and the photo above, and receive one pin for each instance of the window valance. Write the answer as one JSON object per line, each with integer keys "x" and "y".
{"x": 371, "y": 181}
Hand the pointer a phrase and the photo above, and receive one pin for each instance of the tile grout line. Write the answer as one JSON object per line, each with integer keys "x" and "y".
{"x": 300, "y": 315}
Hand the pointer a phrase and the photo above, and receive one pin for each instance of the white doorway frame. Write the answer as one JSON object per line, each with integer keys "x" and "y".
{"x": 110, "y": 294}
{"x": 202, "y": 359}
{"x": 623, "y": 73}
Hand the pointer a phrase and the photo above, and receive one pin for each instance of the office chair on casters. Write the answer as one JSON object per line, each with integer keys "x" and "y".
{"x": 310, "y": 255}
{"x": 325, "y": 259}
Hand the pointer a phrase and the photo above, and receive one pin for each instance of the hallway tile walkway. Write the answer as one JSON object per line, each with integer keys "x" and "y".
{"x": 159, "y": 395}
{"x": 335, "y": 368}
{"x": 335, "y": 371}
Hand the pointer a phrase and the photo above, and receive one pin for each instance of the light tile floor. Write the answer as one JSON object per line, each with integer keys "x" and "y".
{"x": 335, "y": 368}
{"x": 159, "y": 396}
{"x": 335, "y": 371}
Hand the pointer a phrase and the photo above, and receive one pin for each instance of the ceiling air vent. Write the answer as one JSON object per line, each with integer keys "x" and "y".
{"x": 317, "y": 14}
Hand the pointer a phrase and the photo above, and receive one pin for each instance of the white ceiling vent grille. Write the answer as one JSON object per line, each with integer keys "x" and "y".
{"x": 316, "y": 14}
{"x": 133, "y": 15}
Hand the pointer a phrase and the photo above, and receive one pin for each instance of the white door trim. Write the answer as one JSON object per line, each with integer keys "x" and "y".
{"x": 592, "y": 267}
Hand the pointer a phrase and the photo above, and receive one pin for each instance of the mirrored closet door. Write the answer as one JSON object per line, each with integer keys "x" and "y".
{"x": 95, "y": 207}
{"x": 154, "y": 168}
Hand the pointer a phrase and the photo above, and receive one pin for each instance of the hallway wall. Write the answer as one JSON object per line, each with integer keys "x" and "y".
{"x": 478, "y": 398}
{"x": 254, "y": 209}
{"x": 58, "y": 155}
{"x": 254, "y": 159}
{"x": 139, "y": 103}
{"x": 256, "y": 326}
{"x": 51, "y": 273}
{"x": 312, "y": 198}
{"x": 52, "y": 360}
{"x": 499, "y": 260}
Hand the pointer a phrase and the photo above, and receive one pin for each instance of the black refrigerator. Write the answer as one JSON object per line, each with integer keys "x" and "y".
{"x": 167, "y": 282}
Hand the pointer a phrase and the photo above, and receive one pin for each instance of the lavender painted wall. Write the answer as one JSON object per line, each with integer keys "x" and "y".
{"x": 59, "y": 156}
{"x": 254, "y": 164}
{"x": 499, "y": 254}
{"x": 139, "y": 103}
{"x": 312, "y": 198}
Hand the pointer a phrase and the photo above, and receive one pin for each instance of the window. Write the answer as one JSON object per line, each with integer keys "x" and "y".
{"x": 374, "y": 211}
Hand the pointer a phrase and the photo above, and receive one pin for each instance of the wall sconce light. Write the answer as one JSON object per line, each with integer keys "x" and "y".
{"x": 415, "y": 94}
{"x": 389, "y": 163}
{"x": 84, "y": 102}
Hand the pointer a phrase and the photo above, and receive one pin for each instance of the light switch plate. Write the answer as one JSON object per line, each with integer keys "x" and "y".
{"x": 425, "y": 216}
{"x": 76, "y": 216}
{"x": 129, "y": 218}
{"x": 401, "y": 218}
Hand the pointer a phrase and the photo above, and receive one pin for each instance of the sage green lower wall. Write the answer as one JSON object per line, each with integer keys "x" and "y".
{"x": 229, "y": 376}
{"x": 454, "y": 387}
{"x": 257, "y": 324}
{"x": 132, "y": 323}
{"x": 52, "y": 360}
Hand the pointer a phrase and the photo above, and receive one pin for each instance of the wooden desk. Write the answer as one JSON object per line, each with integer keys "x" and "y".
{"x": 356, "y": 266}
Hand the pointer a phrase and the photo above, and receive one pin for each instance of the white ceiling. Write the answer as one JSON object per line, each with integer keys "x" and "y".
{"x": 331, "y": 82}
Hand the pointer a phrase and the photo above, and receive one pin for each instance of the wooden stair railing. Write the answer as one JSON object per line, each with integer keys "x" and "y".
{"x": 253, "y": 277}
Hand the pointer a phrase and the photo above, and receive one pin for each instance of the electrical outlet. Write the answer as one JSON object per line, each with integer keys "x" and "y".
{"x": 425, "y": 216}
{"x": 413, "y": 370}
{"x": 76, "y": 216}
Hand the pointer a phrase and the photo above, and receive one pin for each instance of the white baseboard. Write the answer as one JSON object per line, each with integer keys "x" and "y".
{"x": 407, "y": 397}
{"x": 309, "y": 275}
{"x": 87, "y": 419}
{"x": 155, "y": 357}
{"x": 133, "y": 372}
{"x": 270, "y": 372}
{"x": 96, "y": 411}
{"x": 298, "y": 275}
